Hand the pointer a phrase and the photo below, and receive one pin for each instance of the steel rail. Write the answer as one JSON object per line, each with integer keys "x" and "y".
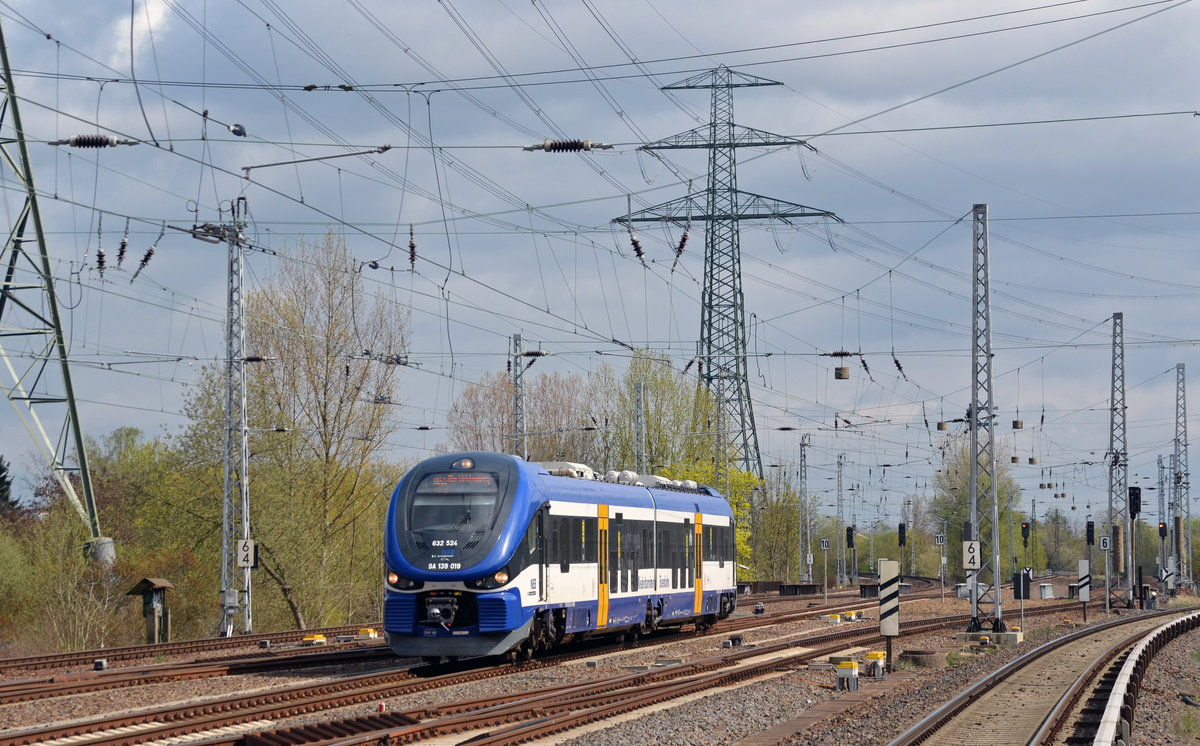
{"x": 1116, "y": 723}
{"x": 940, "y": 717}
{"x": 137, "y": 652}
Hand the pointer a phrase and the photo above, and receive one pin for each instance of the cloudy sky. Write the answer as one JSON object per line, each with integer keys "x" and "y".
{"x": 1074, "y": 122}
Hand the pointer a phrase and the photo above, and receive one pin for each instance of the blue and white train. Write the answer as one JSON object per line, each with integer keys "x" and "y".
{"x": 487, "y": 554}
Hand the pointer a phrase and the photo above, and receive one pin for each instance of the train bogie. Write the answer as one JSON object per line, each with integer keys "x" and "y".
{"x": 487, "y": 554}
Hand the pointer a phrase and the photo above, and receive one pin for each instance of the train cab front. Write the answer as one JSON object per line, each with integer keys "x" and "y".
{"x": 448, "y": 590}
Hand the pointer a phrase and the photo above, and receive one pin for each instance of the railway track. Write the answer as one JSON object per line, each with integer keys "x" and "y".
{"x": 623, "y": 693}
{"x": 63, "y": 684}
{"x": 161, "y": 650}
{"x": 1031, "y": 700}
{"x": 56, "y": 685}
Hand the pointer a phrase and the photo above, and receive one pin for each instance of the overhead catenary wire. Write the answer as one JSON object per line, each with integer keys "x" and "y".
{"x": 861, "y": 312}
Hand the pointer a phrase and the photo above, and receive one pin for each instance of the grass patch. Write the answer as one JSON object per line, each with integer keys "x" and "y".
{"x": 1189, "y": 725}
{"x": 953, "y": 658}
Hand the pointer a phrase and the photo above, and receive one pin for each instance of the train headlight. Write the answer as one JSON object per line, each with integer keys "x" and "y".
{"x": 399, "y": 582}
{"x": 488, "y": 582}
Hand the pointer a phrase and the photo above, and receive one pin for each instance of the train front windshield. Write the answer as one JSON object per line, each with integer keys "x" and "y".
{"x": 454, "y": 502}
{"x": 452, "y": 508}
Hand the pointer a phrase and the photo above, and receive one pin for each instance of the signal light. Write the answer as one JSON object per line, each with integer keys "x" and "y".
{"x": 1024, "y": 530}
{"x": 1091, "y": 533}
{"x": 1162, "y": 530}
{"x": 1135, "y": 501}
{"x": 903, "y": 533}
{"x": 850, "y": 536}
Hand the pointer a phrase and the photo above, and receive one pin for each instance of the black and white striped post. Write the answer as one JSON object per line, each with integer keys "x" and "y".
{"x": 1085, "y": 585}
{"x": 889, "y": 604}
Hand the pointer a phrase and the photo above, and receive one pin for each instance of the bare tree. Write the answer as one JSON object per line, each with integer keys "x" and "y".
{"x": 557, "y": 423}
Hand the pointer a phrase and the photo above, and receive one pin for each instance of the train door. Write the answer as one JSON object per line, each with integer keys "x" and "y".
{"x": 699, "y": 559}
{"x": 602, "y": 563}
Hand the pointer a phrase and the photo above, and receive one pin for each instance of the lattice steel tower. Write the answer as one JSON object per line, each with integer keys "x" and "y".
{"x": 806, "y": 547}
{"x": 1119, "y": 519}
{"x": 722, "y": 206}
{"x": 1181, "y": 505}
{"x": 982, "y": 508}
{"x": 39, "y": 375}
{"x": 841, "y": 525}
{"x": 237, "y": 548}
{"x": 516, "y": 364}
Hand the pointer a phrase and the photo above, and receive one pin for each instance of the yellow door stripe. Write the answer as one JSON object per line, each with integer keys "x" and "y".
{"x": 602, "y": 556}
{"x": 699, "y": 565}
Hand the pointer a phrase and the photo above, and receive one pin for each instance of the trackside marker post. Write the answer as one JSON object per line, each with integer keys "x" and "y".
{"x": 889, "y": 603}
{"x": 1085, "y": 585}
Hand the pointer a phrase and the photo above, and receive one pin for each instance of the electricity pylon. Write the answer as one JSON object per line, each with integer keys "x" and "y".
{"x": 39, "y": 380}
{"x": 723, "y": 206}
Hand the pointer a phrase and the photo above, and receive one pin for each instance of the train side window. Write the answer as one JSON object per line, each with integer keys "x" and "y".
{"x": 561, "y": 542}
{"x": 674, "y": 543}
{"x": 614, "y": 537}
{"x": 689, "y": 548}
{"x": 589, "y": 528}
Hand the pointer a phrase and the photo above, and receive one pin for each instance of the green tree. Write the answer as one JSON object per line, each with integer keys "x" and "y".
{"x": 11, "y": 509}
{"x": 321, "y": 406}
{"x": 949, "y": 505}
{"x": 148, "y": 507}
{"x": 775, "y": 531}
{"x": 675, "y": 415}
{"x": 54, "y": 598}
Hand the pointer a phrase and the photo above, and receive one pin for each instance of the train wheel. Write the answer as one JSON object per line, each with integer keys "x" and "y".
{"x": 632, "y": 636}
{"x": 511, "y": 656}
{"x": 527, "y": 651}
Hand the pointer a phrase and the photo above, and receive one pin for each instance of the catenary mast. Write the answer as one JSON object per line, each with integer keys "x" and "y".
{"x": 1119, "y": 522}
{"x": 982, "y": 508}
